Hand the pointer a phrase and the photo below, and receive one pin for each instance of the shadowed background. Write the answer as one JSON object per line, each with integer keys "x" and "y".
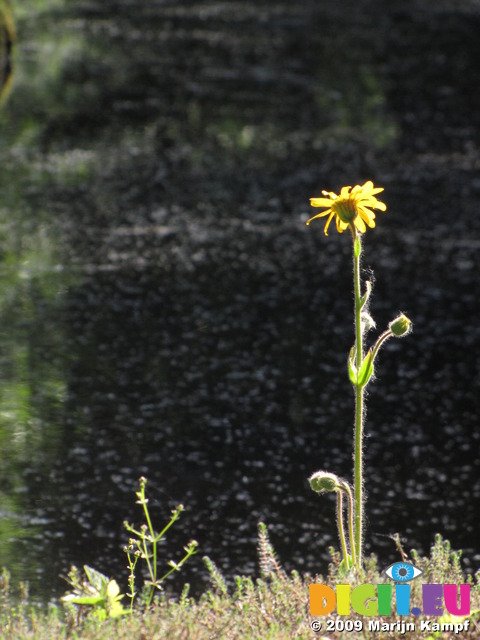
{"x": 165, "y": 312}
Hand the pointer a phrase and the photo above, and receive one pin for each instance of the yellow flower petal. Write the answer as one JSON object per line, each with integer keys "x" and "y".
{"x": 328, "y": 223}
{"x": 320, "y": 215}
{"x": 353, "y": 206}
{"x": 341, "y": 226}
{"x": 332, "y": 195}
{"x": 320, "y": 202}
{"x": 368, "y": 186}
{"x": 366, "y": 213}
{"x": 359, "y": 223}
{"x": 370, "y": 220}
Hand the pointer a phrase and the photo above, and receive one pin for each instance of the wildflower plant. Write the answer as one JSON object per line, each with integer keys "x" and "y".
{"x": 353, "y": 209}
{"x": 143, "y": 545}
{"x": 96, "y": 594}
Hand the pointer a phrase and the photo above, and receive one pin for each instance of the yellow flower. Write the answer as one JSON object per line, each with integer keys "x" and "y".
{"x": 352, "y": 205}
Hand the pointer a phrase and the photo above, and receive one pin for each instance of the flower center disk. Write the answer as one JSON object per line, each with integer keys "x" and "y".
{"x": 345, "y": 209}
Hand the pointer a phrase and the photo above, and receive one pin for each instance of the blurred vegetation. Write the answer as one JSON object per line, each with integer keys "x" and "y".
{"x": 275, "y": 606}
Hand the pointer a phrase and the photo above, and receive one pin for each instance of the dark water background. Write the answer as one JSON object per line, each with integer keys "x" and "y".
{"x": 165, "y": 312}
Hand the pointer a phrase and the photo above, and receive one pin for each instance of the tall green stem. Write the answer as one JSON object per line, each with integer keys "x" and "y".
{"x": 359, "y": 391}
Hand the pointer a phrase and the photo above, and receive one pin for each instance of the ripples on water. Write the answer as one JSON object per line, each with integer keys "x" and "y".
{"x": 166, "y": 313}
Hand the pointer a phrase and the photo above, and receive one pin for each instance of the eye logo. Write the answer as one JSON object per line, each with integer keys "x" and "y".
{"x": 402, "y": 572}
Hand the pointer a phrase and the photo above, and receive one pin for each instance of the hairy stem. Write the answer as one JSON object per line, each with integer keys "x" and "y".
{"x": 348, "y": 491}
{"x": 359, "y": 403}
{"x": 341, "y": 529}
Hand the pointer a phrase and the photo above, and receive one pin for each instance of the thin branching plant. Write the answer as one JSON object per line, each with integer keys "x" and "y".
{"x": 95, "y": 593}
{"x": 143, "y": 545}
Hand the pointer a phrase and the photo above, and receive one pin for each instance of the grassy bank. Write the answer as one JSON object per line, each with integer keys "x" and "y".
{"x": 275, "y": 606}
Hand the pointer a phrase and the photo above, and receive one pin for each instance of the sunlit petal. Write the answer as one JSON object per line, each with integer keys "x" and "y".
{"x": 359, "y": 223}
{"x": 320, "y": 202}
{"x": 320, "y": 215}
{"x": 328, "y": 223}
{"x": 366, "y": 213}
{"x": 370, "y": 220}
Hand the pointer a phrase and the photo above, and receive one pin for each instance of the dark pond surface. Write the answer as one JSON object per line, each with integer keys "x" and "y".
{"x": 165, "y": 312}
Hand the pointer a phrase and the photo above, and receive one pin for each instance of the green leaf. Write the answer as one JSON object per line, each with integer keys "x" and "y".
{"x": 117, "y": 610}
{"x": 98, "y": 580}
{"x": 352, "y": 372}
{"x": 366, "y": 370}
{"x": 90, "y": 600}
{"x": 113, "y": 589}
{"x": 343, "y": 569}
{"x": 352, "y": 369}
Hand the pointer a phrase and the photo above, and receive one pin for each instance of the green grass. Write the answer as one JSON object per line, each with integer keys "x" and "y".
{"x": 273, "y": 607}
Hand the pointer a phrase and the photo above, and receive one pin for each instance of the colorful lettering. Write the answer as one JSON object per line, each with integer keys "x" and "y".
{"x": 322, "y": 599}
{"x": 450, "y": 597}
{"x": 432, "y": 599}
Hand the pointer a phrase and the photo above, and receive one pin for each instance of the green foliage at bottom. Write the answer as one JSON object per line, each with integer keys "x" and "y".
{"x": 273, "y": 607}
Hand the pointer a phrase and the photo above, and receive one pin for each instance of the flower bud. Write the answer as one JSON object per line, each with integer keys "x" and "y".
{"x": 322, "y": 482}
{"x": 401, "y": 326}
